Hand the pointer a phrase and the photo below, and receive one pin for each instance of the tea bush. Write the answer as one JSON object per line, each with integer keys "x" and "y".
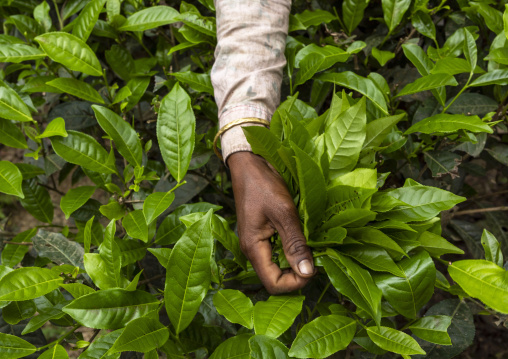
{"x": 107, "y": 111}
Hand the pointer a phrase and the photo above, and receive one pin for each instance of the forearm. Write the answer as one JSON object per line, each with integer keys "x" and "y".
{"x": 249, "y": 60}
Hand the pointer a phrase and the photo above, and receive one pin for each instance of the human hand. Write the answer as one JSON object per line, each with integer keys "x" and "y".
{"x": 263, "y": 206}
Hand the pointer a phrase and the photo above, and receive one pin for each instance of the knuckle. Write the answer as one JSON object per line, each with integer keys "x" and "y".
{"x": 244, "y": 247}
{"x": 286, "y": 209}
{"x": 295, "y": 245}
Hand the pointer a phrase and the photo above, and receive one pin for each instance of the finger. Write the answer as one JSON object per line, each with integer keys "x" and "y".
{"x": 298, "y": 254}
{"x": 275, "y": 281}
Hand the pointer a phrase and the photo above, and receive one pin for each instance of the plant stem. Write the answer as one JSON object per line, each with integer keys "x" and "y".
{"x": 59, "y": 340}
{"x": 480, "y": 210}
{"x": 319, "y": 300}
{"x": 58, "y": 15}
{"x": 460, "y": 93}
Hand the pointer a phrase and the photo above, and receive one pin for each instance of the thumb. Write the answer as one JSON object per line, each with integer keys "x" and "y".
{"x": 295, "y": 247}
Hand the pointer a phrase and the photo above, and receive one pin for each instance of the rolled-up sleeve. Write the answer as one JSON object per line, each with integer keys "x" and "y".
{"x": 249, "y": 61}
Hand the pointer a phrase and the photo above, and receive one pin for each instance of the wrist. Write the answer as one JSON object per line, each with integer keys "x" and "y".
{"x": 242, "y": 159}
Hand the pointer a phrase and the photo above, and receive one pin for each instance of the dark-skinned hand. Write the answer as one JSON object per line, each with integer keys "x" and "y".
{"x": 263, "y": 206}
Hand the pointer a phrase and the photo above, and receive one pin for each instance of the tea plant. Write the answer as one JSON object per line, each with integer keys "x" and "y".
{"x": 107, "y": 111}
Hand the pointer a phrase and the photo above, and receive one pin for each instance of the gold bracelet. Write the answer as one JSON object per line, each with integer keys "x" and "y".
{"x": 232, "y": 124}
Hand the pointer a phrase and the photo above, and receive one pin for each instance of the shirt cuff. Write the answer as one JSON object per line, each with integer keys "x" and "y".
{"x": 234, "y": 140}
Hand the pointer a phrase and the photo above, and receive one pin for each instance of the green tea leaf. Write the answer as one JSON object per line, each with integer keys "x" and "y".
{"x": 423, "y": 203}
{"x": 75, "y": 198}
{"x": 110, "y": 254}
{"x": 352, "y": 13}
{"x": 135, "y": 225}
{"x": 141, "y": 335}
{"x": 374, "y": 258}
{"x": 495, "y": 77}
{"x": 236, "y": 347}
{"x": 235, "y": 306}
{"x": 428, "y": 82}
{"x": 377, "y": 130}
{"x": 124, "y": 136}
{"x": 28, "y": 283}
{"x": 313, "y": 18}
{"x": 37, "y": 201}
{"x": 71, "y": 52}
{"x": 77, "y": 289}
{"x": 323, "y": 336}
{"x": 355, "y": 82}
{"x": 155, "y": 204}
{"x": 481, "y": 279}
{"x": 274, "y": 316}
{"x": 424, "y": 24}
{"x": 16, "y": 53}
{"x": 55, "y": 128}
{"x": 263, "y": 347}
{"x": 198, "y": 82}
{"x": 14, "y": 347}
{"x": 150, "y": 18}
{"x": 344, "y": 136}
{"x": 394, "y": 341}
{"x": 58, "y": 249}
{"x": 99, "y": 347}
{"x": 176, "y": 126}
{"x": 111, "y": 308}
{"x": 12, "y": 106}
{"x": 11, "y": 135}
{"x": 490, "y": 245}
{"x": 409, "y": 293}
{"x": 10, "y": 179}
{"x": 12, "y": 254}
{"x": 18, "y": 311}
{"x": 83, "y": 150}
{"x": 191, "y": 258}
{"x": 437, "y": 245}
{"x": 85, "y": 22}
{"x": 55, "y": 352}
{"x": 265, "y": 144}
{"x": 312, "y": 189}
{"x": 433, "y": 329}
{"x": 346, "y": 285}
{"x": 382, "y": 56}
{"x": 393, "y": 11}
{"x": 445, "y": 123}
{"x": 76, "y": 88}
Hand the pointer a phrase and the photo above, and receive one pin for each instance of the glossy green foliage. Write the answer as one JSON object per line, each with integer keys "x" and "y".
{"x": 125, "y": 138}
{"x": 141, "y": 335}
{"x": 323, "y": 336}
{"x": 28, "y": 283}
{"x": 394, "y": 341}
{"x": 70, "y": 51}
{"x": 235, "y": 306}
{"x": 14, "y": 347}
{"x": 276, "y": 315}
{"x": 191, "y": 258}
{"x": 409, "y": 293}
{"x": 176, "y": 131}
{"x": 112, "y": 308}
{"x": 483, "y": 280}
{"x": 391, "y": 111}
